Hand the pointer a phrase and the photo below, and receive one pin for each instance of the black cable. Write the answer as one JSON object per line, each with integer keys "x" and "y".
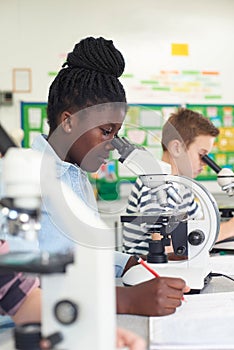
{"x": 216, "y": 274}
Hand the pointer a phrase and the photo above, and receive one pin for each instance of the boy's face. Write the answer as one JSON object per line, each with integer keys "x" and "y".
{"x": 189, "y": 163}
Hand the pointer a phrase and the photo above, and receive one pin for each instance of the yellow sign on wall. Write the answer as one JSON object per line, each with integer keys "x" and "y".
{"x": 179, "y": 49}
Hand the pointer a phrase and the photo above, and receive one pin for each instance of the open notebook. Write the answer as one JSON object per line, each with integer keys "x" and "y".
{"x": 204, "y": 321}
{"x": 227, "y": 245}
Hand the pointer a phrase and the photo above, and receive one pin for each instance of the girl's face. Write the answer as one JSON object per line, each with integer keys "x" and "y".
{"x": 189, "y": 162}
{"x": 93, "y": 133}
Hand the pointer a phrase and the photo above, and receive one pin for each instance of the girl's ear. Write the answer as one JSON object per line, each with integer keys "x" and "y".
{"x": 66, "y": 122}
{"x": 175, "y": 148}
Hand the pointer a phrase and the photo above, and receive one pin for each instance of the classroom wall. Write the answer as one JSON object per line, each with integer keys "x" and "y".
{"x": 37, "y": 35}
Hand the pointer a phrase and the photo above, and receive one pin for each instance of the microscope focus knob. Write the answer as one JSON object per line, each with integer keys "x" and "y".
{"x": 196, "y": 237}
{"x": 66, "y": 312}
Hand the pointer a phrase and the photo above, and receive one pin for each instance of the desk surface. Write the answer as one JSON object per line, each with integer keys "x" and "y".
{"x": 139, "y": 324}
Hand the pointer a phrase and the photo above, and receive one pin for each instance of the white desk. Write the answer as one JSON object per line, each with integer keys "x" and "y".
{"x": 138, "y": 324}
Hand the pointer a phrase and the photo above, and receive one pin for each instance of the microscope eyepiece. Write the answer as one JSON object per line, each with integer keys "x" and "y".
{"x": 206, "y": 159}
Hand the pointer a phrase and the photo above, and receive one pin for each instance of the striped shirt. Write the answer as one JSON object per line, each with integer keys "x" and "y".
{"x": 143, "y": 199}
{"x": 14, "y": 287}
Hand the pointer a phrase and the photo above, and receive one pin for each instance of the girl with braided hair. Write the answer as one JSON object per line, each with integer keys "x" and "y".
{"x": 86, "y": 108}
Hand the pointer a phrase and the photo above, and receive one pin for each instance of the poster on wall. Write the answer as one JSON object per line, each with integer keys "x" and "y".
{"x": 178, "y": 86}
{"x": 142, "y": 126}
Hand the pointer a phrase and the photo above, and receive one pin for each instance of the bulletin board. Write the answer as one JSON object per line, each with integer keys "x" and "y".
{"x": 143, "y": 126}
{"x": 33, "y": 121}
{"x": 222, "y": 116}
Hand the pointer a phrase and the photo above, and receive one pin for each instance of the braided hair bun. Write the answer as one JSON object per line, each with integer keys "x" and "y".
{"x": 88, "y": 77}
{"x": 99, "y": 55}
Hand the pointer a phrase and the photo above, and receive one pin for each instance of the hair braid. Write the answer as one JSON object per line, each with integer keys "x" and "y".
{"x": 88, "y": 77}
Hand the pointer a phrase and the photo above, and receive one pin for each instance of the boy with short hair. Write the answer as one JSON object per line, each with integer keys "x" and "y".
{"x": 186, "y": 137}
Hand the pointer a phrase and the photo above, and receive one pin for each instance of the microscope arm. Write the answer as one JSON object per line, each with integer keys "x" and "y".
{"x": 138, "y": 159}
{"x": 152, "y": 172}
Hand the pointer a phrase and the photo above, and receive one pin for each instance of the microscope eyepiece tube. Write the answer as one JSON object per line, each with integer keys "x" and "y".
{"x": 123, "y": 146}
{"x": 206, "y": 159}
{"x": 118, "y": 143}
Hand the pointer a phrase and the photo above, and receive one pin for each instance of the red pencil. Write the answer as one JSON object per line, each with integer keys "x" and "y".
{"x": 143, "y": 263}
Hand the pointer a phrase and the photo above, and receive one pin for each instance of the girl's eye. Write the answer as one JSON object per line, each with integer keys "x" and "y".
{"x": 106, "y": 132}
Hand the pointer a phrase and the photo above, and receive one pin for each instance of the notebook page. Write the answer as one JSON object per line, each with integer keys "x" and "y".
{"x": 204, "y": 321}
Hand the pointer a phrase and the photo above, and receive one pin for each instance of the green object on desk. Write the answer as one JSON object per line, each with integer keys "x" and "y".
{"x": 222, "y": 253}
{"x": 107, "y": 190}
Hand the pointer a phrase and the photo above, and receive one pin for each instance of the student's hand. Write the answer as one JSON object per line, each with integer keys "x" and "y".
{"x": 226, "y": 230}
{"x": 130, "y": 340}
{"x": 156, "y": 297}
